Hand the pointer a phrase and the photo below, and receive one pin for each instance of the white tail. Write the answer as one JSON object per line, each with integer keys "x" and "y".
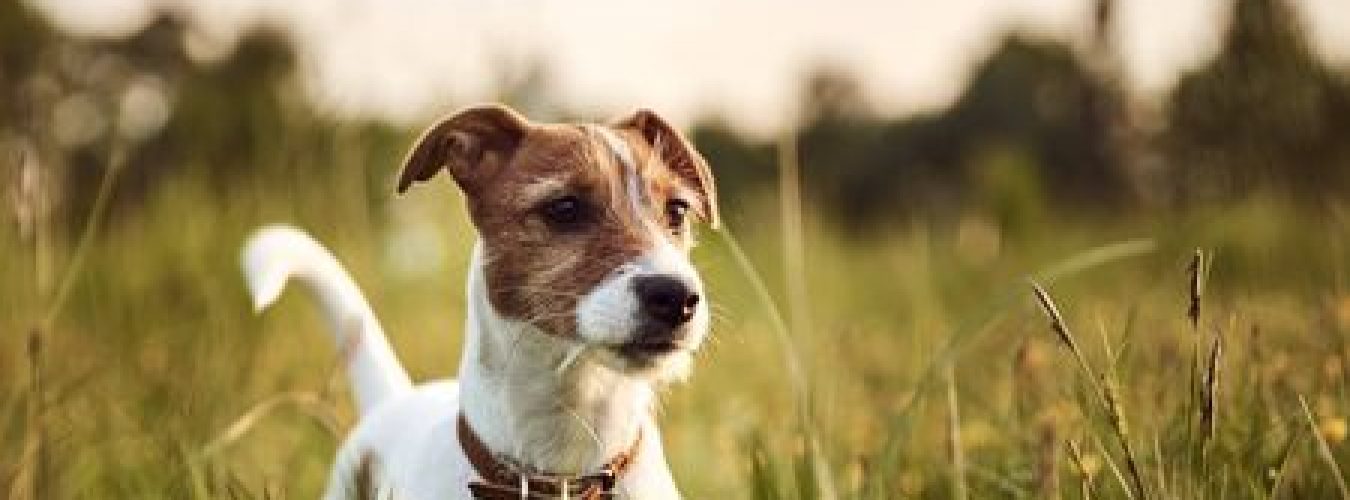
{"x": 274, "y": 255}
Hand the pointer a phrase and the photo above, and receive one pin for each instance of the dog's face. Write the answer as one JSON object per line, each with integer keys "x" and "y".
{"x": 587, "y": 228}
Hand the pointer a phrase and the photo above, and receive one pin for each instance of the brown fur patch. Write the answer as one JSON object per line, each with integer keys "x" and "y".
{"x": 509, "y": 168}
{"x": 538, "y": 273}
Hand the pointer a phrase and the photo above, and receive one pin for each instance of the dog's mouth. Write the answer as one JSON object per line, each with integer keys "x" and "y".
{"x": 663, "y": 360}
{"x": 653, "y": 341}
{"x": 664, "y": 357}
{"x": 648, "y": 349}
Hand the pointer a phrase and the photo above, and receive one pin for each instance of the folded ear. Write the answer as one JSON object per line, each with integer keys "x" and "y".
{"x": 680, "y": 156}
{"x": 469, "y": 144}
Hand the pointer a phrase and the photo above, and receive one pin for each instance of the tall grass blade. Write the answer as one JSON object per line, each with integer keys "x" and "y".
{"x": 1209, "y": 405}
{"x": 1278, "y": 481}
{"x": 1106, "y": 391}
{"x": 955, "y": 447}
{"x": 311, "y": 404}
{"x": 1324, "y": 450}
{"x": 973, "y": 324}
{"x": 791, "y": 359}
{"x": 1084, "y": 475}
{"x": 1197, "y": 270}
{"x": 96, "y": 215}
{"x": 794, "y": 271}
{"x": 1113, "y": 467}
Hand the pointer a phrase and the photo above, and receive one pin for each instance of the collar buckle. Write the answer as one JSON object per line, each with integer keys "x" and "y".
{"x": 502, "y": 480}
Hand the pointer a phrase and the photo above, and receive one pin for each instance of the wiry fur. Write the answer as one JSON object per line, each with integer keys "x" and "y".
{"x": 540, "y": 381}
{"x": 527, "y": 405}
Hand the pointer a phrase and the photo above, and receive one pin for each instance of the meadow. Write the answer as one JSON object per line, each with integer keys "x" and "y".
{"x": 1175, "y": 354}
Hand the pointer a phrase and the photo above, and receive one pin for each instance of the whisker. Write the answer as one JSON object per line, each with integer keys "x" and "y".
{"x": 571, "y": 358}
{"x": 590, "y": 431}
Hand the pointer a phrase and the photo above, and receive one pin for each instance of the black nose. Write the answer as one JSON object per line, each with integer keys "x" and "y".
{"x": 666, "y": 299}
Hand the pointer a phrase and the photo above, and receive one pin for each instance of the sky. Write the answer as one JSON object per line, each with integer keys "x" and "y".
{"x": 407, "y": 61}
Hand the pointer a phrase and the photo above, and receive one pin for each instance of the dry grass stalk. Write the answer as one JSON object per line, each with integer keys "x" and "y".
{"x": 1196, "y": 386}
{"x": 1061, "y": 329}
{"x": 1117, "y": 416}
{"x": 1111, "y": 466}
{"x": 789, "y": 336}
{"x": 312, "y": 404}
{"x": 1161, "y": 471}
{"x": 31, "y": 481}
{"x": 1208, "y": 409}
{"x": 1278, "y": 481}
{"x": 794, "y": 237}
{"x": 1084, "y": 475}
{"x": 320, "y": 405}
{"x": 1324, "y": 450}
{"x": 97, "y": 213}
{"x": 30, "y": 478}
{"x": 32, "y": 206}
{"x": 959, "y": 489}
{"x": 1105, "y": 389}
{"x": 1198, "y": 270}
{"x": 799, "y": 302}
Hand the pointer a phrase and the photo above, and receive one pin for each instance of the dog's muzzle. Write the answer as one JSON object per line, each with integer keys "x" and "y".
{"x": 665, "y": 306}
{"x": 650, "y": 314}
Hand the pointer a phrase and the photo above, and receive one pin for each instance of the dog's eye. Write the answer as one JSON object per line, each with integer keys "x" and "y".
{"x": 563, "y": 212}
{"x": 676, "y": 213}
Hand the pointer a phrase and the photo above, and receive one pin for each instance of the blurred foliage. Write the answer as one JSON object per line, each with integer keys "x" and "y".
{"x": 1264, "y": 114}
{"x": 919, "y": 230}
{"x": 1033, "y": 99}
{"x": 234, "y": 121}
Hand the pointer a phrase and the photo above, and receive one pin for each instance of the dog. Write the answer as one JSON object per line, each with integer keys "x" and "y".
{"x": 582, "y": 305}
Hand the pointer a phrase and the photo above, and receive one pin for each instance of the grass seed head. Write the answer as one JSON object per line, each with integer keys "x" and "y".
{"x": 1197, "y": 273}
{"x": 1056, "y": 319}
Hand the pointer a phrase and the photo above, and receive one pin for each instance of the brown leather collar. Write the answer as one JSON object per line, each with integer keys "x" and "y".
{"x": 501, "y": 481}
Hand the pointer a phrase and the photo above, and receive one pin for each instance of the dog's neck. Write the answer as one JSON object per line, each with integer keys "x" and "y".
{"x": 539, "y": 400}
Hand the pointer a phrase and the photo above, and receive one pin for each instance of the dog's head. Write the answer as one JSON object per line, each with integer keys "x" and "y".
{"x": 586, "y": 228}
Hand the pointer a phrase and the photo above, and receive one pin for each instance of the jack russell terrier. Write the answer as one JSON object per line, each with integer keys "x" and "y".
{"x": 582, "y": 303}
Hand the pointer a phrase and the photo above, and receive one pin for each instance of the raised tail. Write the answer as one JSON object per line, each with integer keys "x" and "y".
{"x": 274, "y": 255}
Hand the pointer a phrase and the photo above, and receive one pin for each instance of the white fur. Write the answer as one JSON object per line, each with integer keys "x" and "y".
{"x": 637, "y": 196}
{"x": 551, "y": 404}
{"x": 274, "y": 255}
{"x": 616, "y": 146}
{"x": 606, "y": 314}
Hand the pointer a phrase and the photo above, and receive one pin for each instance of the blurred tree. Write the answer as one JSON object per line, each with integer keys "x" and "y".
{"x": 838, "y": 135}
{"x": 240, "y": 121}
{"x": 54, "y": 110}
{"x": 1039, "y": 96}
{"x": 238, "y": 114}
{"x": 1265, "y": 113}
{"x": 1126, "y": 122}
{"x": 21, "y": 192}
{"x": 742, "y": 166}
{"x": 22, "y": 34}
{"x": 1030, "y": 99}
{"x": 221, "y": 122}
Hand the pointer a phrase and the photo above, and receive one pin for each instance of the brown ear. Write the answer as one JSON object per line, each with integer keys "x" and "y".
{"x": 679, "y": 155}
{"x": 464, "y": 143}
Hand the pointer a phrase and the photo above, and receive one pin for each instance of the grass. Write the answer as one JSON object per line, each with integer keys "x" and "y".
{"x": 916, "y": 364}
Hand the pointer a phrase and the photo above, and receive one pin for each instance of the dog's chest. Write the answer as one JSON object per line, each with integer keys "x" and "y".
{"x": 409, "y": 449}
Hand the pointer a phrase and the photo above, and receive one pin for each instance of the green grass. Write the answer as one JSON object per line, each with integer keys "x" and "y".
{"x": 916, "y": 364}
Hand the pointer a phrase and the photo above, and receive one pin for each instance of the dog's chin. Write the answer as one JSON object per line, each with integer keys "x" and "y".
{"x": 657, "y": 364}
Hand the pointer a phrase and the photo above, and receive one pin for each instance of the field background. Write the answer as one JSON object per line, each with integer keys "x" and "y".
{"x": 876, "y": 332}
